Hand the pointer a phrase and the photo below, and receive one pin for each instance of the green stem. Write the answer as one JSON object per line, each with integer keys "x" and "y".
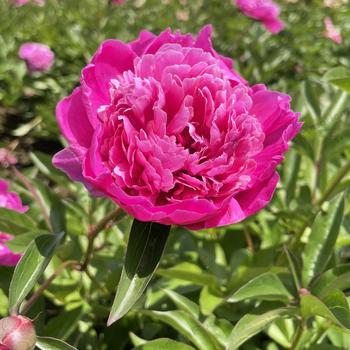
{"x": 36, "y": 295}
{"x": 298, "y": 338}
{"x": 95, "y": 230}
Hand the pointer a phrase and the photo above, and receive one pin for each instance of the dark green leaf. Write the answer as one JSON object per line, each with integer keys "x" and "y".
{"x": 145, "y": 248}
{"x": 188, "y": 326}
{"x": 15, "y": 223}
{"x": 164, "y": 344}
{"x": 251, "y": 324}
{"x": 266, "y": 287}
{"x": 47, "y": 343}
{"x": 339, "y": 77}
{"x": 183, "y": 303}
{"x": 319, "y": 247}
{"x": 31, "y": 266}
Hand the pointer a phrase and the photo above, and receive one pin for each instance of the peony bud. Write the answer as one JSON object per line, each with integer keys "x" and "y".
{"x": 17, "y": 333}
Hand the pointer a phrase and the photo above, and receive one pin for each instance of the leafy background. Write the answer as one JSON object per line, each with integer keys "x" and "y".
{"x": 279, "y": 280}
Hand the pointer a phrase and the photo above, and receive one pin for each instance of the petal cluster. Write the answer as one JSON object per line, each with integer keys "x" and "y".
{"x": 166, "y": 128}
{"x": 9, "y": 200}
{"x": 38, "y": 57}
{"x": 331, "y": 32}
{"x": 17, "y": 333}
{"x": 265, "y": 11}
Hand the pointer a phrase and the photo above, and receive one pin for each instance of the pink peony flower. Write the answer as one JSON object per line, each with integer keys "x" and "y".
{"x": 7, "y": 158}
{"x": 12, "y": 201}
{"x": 39, "y": 57}
{"x": 23, "y": 2}
{"x": 265, "y": 11}
{"x": 168, "y": 130}
{"x": 331, "y": 32}
{"x": 17, "y": 333}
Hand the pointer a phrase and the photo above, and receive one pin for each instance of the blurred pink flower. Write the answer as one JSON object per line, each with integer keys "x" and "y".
{"x": 265, "y": 11}
{"x": 38, "y": 57}
{"x": 119, "y": 2}
{"x": 331, "y": 32}
{"x": 172, "y": 133}
{"x": 17, "y": 333}
{"x": 23, "y": 2}
{"x": 7, "y": 158}
{"x": 9, "y": 200}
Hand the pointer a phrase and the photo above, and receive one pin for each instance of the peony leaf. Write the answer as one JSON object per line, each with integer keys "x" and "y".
{"x": 335, "y": 278}
{"x": 163, "y": 343}
{"x": 15, "y": 223}
{"x": 319, "y": 247}
{"x": 251, "y": 324}
{"x": 32, "y": 264}
{"x": 188, "y": 326}
{"x": 183, "y": 303}
{"x": 47, "y": 343}
{"x": 339, "y": 77}
{"x": 332, "y": 308}
{"x": 266, "y": 286}
{"x": 145, "y": 248}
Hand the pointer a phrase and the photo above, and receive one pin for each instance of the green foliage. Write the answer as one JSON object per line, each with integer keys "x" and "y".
{"x": 279, "y": 280}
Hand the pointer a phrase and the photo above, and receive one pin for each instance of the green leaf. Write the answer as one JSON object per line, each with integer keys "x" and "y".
{"x": 319, "y": 247}
{"x": 188, "y": 326}
{"x": 266, "y": 287}
{"x": 31, "y": 266}
{"x": 339, "y": 77}
{"x": 47, "y": 343}
{"x": 15, "y": 223}
{"x": 311, "y": 100}
{"x": 312, "y": 306}
{"x": 292, "y": 176}
{"x": 250, "y": 324}
{"x": 57, "y": 214}
{"x": 20, "y": 243}
{"x": 335, "y": 278}
{"x": 183, "y": 303}
{"x": 294, "y": 267}
{"x": 164, "y": 344}
{"x": 145, "y": 248}
{"x": 189, "y": 272}
{"x": 209, "y": 301}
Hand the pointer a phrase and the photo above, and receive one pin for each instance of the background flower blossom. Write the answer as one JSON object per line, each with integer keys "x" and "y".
{"x": 172, "y": 133}
{"x": 24, "y": 2}
{"x": 39, "y": 57}
{"x": 9, "y": 200}
{"x": 6, "y": 157}
{"x": 17, "y": 333}
{"x": 265, "y": 11}
{"x": 331, "y": 32}
{"x": 119, "y": 2}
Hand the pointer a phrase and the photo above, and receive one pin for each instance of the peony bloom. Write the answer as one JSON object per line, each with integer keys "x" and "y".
{"x": 265, "y": 11}
{"x": 331, "y": 32}
{"x": 168, "y": 130}
{"x": 7, "y": 158}
{"x": 17, "y": 333}
{"x": 39, "y": 57}
{"x": 23, "y": 2}
{"x": 9, "y": 200}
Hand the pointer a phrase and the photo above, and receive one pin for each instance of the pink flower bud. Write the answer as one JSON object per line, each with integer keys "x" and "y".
{"x": 17, "y": 333}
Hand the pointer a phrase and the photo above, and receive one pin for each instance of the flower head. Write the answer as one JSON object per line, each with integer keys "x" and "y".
{"x": 24, "y": 2}
{"x": 39, "y": 57}
{"x": 7, "y": 158}
{"x": 265, "y": 11}
{"x": 17, "y": 333}
{"x": 166, "y": 128}
{"x": 9, "y": 200}
{"x": 331, "y": 32}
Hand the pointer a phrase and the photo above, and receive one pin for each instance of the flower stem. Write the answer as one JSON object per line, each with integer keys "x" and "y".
{"x": 42, "y": 288}
{"x": 95, "y": 230}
